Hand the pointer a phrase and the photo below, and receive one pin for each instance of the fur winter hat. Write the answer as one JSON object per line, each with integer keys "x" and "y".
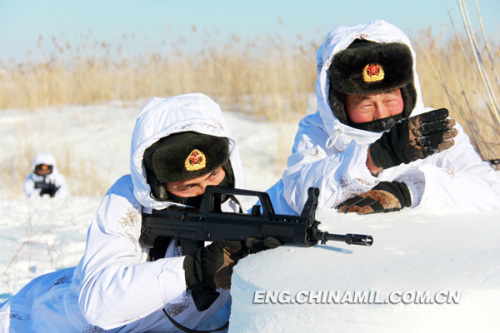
{"x": 367, "y": 67}
{"x": 183, "y": 156}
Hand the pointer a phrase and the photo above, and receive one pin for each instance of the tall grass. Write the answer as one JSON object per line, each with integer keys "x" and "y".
{"x": 267, "y": 78}
{"x": 461, "y": 74}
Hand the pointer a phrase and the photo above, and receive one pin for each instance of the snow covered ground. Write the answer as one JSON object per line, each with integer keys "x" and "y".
{"x": 440, "y": 256}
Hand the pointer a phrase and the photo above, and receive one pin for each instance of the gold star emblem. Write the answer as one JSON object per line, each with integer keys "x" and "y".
{"x": 196, "y": 160}
{"x": 373, "y": 73}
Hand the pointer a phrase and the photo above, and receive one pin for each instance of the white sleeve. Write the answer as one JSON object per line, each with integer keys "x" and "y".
{"x": 118, "y": 285}
{"x": 29, "y": 187}
{"x": 338, "y": 176}
{"x": 456, "y": 178}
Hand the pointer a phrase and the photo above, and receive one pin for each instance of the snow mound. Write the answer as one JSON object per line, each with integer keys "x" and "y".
{"x": 450, "y": 259}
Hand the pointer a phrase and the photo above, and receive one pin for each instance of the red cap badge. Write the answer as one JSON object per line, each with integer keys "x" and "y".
{"x": 373, "y": 73}
{"x": 195, "y": 161}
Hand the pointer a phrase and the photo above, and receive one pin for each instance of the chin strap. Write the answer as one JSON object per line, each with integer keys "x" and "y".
{"x": 189, "y": 330}
{"x": 338, "y": 131}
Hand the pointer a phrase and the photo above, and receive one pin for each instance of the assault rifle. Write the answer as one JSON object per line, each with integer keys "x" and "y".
{"x": 47, "y": 188}
{"x": 192, "y": 226}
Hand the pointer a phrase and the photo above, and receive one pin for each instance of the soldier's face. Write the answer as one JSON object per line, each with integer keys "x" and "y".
{"x": 370, "y": 107}
{"x": 196, "y": 186}
{"x": 43, "y": 169}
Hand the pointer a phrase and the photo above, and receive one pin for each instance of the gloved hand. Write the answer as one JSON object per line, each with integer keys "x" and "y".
{"x": 414, "y": 138}
{"x": 256, "y": 245}
{"x": 211, "y": 267}
{"x": 385, "y": 197}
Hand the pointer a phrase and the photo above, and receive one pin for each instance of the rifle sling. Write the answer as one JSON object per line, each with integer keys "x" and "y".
{"x": 189, "y": 330}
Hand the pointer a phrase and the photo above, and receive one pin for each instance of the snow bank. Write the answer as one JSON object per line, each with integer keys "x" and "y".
{"x": 451, "y": 257}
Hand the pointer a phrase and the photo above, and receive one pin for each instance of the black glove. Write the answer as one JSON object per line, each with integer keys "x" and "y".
{"x": 414, "y": 138}
{"x": 47, "y": 188}
{"x": 256, "y": 245}
{"x": 385, "y": 197}
{"x": 211, "y": 267}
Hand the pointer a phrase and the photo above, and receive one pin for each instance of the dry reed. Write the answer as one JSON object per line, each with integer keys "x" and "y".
{"x": 269, "y": 79}
{"x": 461, "y": 75}
{"x": 266, "y": 77}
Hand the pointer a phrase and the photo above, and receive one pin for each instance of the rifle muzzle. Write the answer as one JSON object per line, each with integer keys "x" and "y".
{"x": 356, "y": 239}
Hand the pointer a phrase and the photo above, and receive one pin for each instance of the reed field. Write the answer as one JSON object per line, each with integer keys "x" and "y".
{"x": 267, "y": 78}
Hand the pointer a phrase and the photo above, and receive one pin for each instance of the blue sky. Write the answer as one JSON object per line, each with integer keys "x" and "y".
{"x": 149, "y": 21}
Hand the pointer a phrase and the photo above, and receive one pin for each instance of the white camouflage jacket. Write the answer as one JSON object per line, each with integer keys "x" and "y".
{"x": 115, "y": 288}
{"x": 332, "y": 156}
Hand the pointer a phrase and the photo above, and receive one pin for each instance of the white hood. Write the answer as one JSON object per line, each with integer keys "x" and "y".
{"x": 44, "y": 158}
{"x": 337, "y": 40}
{"x": 48, "y": 159}
{"x": 161, "y": 117}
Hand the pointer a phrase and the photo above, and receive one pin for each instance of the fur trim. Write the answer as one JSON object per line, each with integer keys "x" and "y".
{"x": 346, "y": 71}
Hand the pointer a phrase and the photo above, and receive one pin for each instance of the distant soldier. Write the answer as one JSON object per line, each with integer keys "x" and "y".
{"x": 45, "y": 178}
